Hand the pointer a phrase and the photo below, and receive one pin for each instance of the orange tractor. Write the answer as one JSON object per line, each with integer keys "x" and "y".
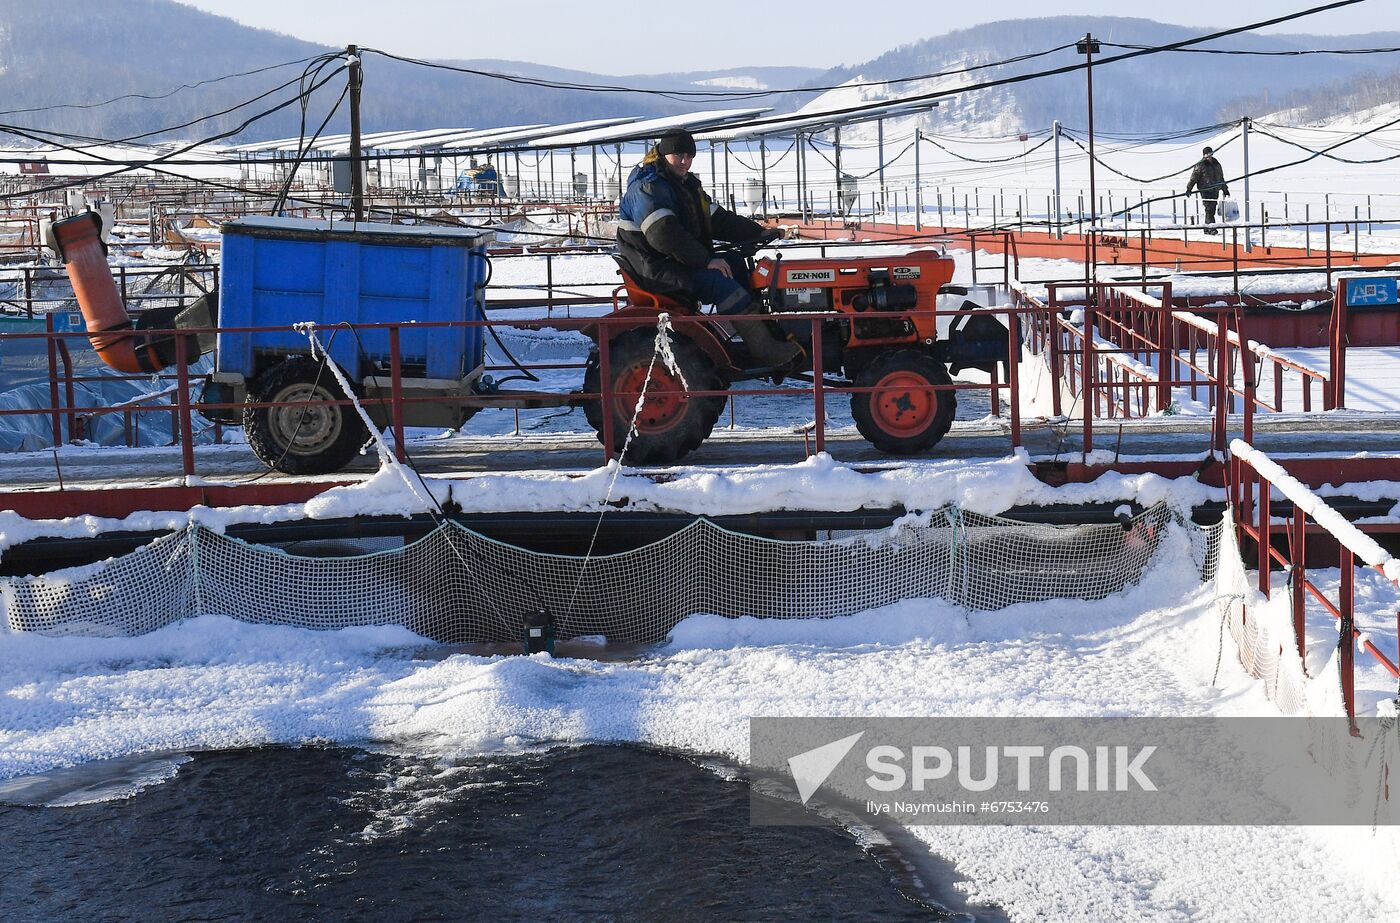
{"x": 870, "y": 340}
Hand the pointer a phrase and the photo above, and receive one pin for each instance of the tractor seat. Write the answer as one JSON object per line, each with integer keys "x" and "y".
{"x": 640, "y": 297}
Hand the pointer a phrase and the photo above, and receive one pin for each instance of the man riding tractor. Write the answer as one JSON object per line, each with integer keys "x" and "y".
{"x": 666, "y": 232}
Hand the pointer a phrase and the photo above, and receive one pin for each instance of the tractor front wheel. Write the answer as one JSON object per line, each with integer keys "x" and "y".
{"x": 904, "y": 415}
{"x": 301, "y": 438}
{"x": 671, "y": 423}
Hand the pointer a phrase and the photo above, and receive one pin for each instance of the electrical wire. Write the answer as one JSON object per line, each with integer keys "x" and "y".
{"x": 203, "y": 118}
{"x": 181, "y": 149}
{"x": 1020, "y": 156}
{"x": 704, "y": 94}
{"x": 1149, "y": 181}
{"x": 1261, "y": 53}
{"x": 165, "y": 95}
{"x": 1036, "y": 75}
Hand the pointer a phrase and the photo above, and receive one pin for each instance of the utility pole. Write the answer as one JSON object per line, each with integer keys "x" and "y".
{"x": 1087, "y": 46}
{"x": 763, "y": 172}
{"x": 880, "y": 133}
{"x": 1248, "y": 234}
{"x": 918, "y": 184}
{"x": 357, "y": 189}
{"x": 1059, "y": 210}
{"x": 836, "y": 139}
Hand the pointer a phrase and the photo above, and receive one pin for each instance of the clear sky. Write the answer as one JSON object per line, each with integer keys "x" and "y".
{"x": 653, "y": 36}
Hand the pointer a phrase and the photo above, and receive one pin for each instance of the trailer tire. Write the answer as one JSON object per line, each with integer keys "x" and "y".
{"x": 672, "y": 423}
{"x": 307, "y": 439}
{"x": 903, "y": 417}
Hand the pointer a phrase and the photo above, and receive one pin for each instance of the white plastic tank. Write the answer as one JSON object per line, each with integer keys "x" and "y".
{"x": 510, "y": 186}
{"x": 848, "y": 190}
{"x": 753, "y": 195}
{"x": 108, "y": 213}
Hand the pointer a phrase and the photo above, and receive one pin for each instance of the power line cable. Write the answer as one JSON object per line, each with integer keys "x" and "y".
{"x": 933, "y": 96}
{"x": 165, "y": 95}
{"x": 1261, "y": 53}
{"x": 704, "y": 94}
{"x": 181, "y": 149}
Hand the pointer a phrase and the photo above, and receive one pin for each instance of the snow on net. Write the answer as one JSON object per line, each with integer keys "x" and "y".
{"x": 456, "y": 586}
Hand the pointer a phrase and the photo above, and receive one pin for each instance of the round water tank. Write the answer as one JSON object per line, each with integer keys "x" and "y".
{"x": 753, "y": 195}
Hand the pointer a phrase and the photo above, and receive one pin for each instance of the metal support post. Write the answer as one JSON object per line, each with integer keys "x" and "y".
{"x": 918, "y": 187}
{"x": 1248, "y": 234}
{"x": 357, "y": 191}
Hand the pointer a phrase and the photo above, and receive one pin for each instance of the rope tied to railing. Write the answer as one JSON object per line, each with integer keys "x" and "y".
{"x": 662, "y": 349}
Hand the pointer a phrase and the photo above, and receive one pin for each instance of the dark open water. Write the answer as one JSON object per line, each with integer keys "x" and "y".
{"x": 598, "y": 833}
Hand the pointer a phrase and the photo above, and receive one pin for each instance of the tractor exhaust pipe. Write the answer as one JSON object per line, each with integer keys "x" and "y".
{"x": 118, "y": 342}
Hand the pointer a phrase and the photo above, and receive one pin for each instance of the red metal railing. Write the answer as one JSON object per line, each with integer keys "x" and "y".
{"x": 180, "y": 407}
{"x": 1123, "y": 352}
{"x": 1253, "y": 478}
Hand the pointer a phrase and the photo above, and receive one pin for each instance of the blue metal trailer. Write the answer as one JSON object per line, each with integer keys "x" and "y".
{"x": 278, "y": 272}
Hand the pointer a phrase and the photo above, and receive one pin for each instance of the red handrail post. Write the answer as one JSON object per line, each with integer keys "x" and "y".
{"x": 1087, "y": 361}
{"x": 1337, "y": 349}
{"x": 182, "y": 378}
{"x": 605, "y": 400}
{"x": 1052, "y": 327}
{"x": 1300, "y": 575}
{"x": 1013, "y": 378}
{"x": 53, "y": 381}
{"x": 1166, "y": 364}
{"x": 1250, "y": 385}
{"x": 818, "y": 391}
{"x": 1347, "y": 638}
{"x": 1222, "y": 383}
{"x": 1265, "y": 538}
{"x": 396, "y": 392}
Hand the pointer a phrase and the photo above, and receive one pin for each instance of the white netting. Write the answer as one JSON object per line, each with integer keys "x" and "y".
{"x": 456, "y": 586}
{"x": 1263, "y": 634}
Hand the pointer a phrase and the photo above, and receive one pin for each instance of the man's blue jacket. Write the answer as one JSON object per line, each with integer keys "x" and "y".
{"x": 666, "y": 227}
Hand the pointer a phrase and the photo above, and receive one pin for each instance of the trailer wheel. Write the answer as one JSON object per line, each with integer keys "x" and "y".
{"x": 903, "y": 417}
{"x": 672, "y": 423}
{"x": 301, "y": 438}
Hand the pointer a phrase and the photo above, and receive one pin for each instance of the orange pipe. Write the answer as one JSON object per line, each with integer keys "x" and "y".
{"x": 108, "y": 323}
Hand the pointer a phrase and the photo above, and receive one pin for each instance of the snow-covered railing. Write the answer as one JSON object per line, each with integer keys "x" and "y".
{"x": 1253, "y": 474}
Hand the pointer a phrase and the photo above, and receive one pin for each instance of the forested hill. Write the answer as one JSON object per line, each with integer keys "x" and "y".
{"x": 1158, "y": 92}
{"x": 88, "y": 51}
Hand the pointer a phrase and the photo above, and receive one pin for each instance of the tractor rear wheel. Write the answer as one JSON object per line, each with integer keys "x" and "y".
{"x": 671, "y": 423}
{"x": 903, "y": 416}
{"x": 301, "y": 438}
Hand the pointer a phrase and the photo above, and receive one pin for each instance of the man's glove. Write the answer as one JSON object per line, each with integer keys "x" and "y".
{"x": 769, "y": 235}
{"x": 1226, "y": 191}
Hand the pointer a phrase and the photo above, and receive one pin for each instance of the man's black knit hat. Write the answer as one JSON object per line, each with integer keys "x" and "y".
{"x": 1207, "y": 151}
{"x": 676, "y": 141}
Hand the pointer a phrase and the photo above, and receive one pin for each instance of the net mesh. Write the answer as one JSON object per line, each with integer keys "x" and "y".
{"x": 458, "y": 586}
{"x": 1266, "y": 646}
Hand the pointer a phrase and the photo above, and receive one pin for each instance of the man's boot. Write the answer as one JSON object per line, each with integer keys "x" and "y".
{"x": 767, "y": 350}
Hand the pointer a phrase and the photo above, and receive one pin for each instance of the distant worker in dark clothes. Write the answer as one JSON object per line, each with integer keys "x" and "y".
{"x": 666, "y": 229}
{"x": 1208, "y": 177}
